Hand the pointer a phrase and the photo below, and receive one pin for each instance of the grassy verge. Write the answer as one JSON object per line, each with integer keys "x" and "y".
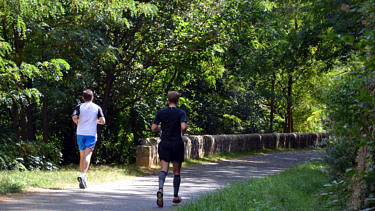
{"x": 17, "y": 181}
{"x": 294, "y": 189}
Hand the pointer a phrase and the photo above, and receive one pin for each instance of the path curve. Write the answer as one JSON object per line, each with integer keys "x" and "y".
{"x": 139, "y": 193}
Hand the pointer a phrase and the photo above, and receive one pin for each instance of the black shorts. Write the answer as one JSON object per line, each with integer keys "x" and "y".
{"x": 171, "y": 151}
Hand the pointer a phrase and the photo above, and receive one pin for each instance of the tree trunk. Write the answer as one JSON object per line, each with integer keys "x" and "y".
{"x": 272, "y": 102}
{"x": 23, "y": 123}
{"x": 15, "y": 118}
{"x": 107, "y": 91}
{"x": 18, "y": 44}
{"x": 133, "y": 124}
{"x": 106, "y": 101}
{"x": 31, "y": 130}
{"x": 45, "y": 119}
{"x": 5, "y": 33}
{"x": 358, "y": 182}
{"x": 289, "y": 111}
{"x": 25, "y": 116}
{"x": 285, "y": 125}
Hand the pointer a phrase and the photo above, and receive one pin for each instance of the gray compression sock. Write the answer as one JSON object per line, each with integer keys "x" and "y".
{"x": 162, "y": 176}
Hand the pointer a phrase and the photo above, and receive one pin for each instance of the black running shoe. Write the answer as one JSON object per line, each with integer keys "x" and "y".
{"x": 159, "y": 200}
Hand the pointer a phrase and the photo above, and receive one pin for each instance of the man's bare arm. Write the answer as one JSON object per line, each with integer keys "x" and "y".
{"x": 155, "y": 127}
{"x": 101, "y": 121}
{"x": 184, "y": 127}
{"x": 75, "y": 119}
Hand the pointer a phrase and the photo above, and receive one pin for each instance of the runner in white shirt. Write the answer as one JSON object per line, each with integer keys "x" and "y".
{"x": 86, "y": 115}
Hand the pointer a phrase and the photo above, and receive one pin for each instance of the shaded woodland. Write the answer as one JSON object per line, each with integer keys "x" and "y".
{"x": 241, "y": 67}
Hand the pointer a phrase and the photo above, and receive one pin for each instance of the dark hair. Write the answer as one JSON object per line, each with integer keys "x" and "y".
{"x": 87, "y": 95}
{"x": 173, "y": 96}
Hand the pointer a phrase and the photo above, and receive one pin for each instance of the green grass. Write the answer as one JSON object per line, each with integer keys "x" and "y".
{"x": 295, "y": 189}
{"x": 18, "y": 181}
{"x": 9, "y": 185}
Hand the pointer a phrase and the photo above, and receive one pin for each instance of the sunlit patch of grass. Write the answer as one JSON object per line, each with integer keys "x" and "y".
{"x": 8, "y": 185}
{"x": 15, "y": 181}
{"x": 294, "y": 189}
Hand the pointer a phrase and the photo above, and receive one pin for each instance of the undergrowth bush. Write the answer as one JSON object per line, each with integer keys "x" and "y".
{"x": 21, "y": 155}
{"x": 340, "y": 156}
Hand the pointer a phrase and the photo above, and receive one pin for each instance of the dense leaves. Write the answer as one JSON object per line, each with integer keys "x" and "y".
{"x": 351, "y": 99}
{"x": 244, "y": 65}
{"x": 241, "y": 67}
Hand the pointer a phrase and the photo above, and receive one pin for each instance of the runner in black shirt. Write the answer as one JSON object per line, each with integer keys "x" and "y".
{"x": 172, "y": 123}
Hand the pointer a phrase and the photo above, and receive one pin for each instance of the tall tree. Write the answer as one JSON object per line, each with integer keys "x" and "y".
{"x": 20, "y": 23}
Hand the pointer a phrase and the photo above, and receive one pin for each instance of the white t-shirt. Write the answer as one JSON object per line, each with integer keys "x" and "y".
{"x": 88, "y": 114}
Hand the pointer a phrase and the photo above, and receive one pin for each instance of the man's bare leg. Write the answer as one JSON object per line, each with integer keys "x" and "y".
{"x": 87, "y": 159}
{"x": 84, "y": 163}
{"x": 176, "y": 168}
{"x": 81, "y": 160}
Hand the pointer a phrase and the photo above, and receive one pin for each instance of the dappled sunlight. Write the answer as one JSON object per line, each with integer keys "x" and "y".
{"x": 211, "y": 164}
{"x": 138, "y": 193}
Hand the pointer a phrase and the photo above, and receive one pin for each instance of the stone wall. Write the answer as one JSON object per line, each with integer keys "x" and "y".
{"x": 206, "y": 145}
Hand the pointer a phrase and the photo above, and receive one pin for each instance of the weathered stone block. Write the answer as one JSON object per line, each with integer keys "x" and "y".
{"x": 187, "y": 147}
{"x": 196, "y": 146}
{"x": 208, "y": 145}
{"x": 143, "y": 156}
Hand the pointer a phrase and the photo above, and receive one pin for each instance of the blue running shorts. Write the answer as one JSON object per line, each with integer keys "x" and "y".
{"x": 86, "y": 141}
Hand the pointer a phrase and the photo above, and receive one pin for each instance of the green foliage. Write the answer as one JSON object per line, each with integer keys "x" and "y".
{"x": 241, "y": 67}
{"x": 335, "y": 194}
{"x": 350, "y": 101}
{"x": 340, "y": 156}
{"x": 230, "y": 60}
{"x": 350, "y": 109}
{"x": 20, "y": 155}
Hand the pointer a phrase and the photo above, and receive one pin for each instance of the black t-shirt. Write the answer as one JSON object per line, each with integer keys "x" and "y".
{"x": 170, "y": 119}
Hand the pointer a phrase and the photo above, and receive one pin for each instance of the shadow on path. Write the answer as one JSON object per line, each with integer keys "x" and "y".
{"x": 139, "y": 193}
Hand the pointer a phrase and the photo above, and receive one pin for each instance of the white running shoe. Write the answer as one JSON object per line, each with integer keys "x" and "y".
{"x": 82, "y": 182}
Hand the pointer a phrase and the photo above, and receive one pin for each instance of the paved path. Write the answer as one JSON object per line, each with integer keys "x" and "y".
{"x": 139, "y": 193}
